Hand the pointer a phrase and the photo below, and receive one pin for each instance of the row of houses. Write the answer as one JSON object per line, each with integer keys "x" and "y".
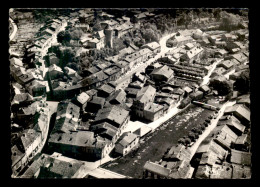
{"x": 28, "y": 142}
{"x": 225, "y": 153}
{"x": 173, "y": 165}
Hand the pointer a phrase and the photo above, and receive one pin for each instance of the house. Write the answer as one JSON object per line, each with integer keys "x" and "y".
{"x": 25, "y": 78}
{"x": 90, "y": 71}
{"x": 113, "y": 73}
{"x": 118, "y": 97}
{"x": 240, "y": 112}
{"x": 95, "y": 104}
{"x": 115, "y": 115}
{"x": 245, "y": 101}
{"x": 126, "y": 143}
{"x": 240, "y": 157}
{"x": 95, "y": 43}
{"x": 154, "y": 170}
{"x": 153, "y": 111}
{"x": 139, "y": 77}
{"x": 241, "y": 172}
{"x": 54, "y": 72}
{"x": 94, "y": 80}
{"x": 106, "y": 130}
{"x": 227, "y": 64}
{"x": 163, "y": 73}
{"x": 124, "y": 65}
{"x": 224, "y": 136}
{"x": 16, "y": 62}
{"x": 196, "y": 95}
{"x": 53, "y": 166}
{"x": 131, "y": 92}
{"x": 189, "y": 46}
{"x": 240, "y": 57}
{"x": 192, "y": 54}
{"x": 177, "y": 153}
{"x": 80, "y": 144}
{"x": 105, "y": 91}
{"x": 235, "y": 125}
{"x": 241, "y": 143}
{"x": 187, "y": 90}
{"x": 37, "y": 88}
{"x": 144, "y": 97}
{"x": 221, "y": 52}
{"x": 182, "y": 40}
{"x": 205, "y": 89}
{"x": 181, "y": 170}
{"x": 153, "y": 46}
{"x": 82, "y": 100}
{"x": 53, "y": 59}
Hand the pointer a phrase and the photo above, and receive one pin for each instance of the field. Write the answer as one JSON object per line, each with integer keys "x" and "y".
{"x": 155, "y": 145}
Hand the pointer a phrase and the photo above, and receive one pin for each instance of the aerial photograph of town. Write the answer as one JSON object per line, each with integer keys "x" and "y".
{"x": 129, "y": 93}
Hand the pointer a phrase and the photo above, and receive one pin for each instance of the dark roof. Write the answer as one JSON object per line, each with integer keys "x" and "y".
{"x": 114, "y": 113}
{"x": 126, "y": 138}
{"x": 157, "y": 169}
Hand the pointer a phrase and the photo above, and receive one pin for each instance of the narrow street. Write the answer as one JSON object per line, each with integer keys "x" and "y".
{"x": 206, "y": 78}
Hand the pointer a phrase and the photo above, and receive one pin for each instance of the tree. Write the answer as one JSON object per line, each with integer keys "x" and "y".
{"x": 181, "y": 141}
{"x": 242, "y": 83}
{"x": 192, "y": 136}
{"x": 222, "y": 85}
{"x": 187, "y": 141}
{"x": 60, "y": 36}
{"x": 229, "y": 21}
{"x": 67, "y": 55}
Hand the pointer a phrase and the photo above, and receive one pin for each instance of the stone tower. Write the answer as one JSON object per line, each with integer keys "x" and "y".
{"x": 108, "y": 36}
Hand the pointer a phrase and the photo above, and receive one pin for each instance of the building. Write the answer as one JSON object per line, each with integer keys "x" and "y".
{"x": 53, "y": 166}
{"x": 240, "y": 157}
{"x": 163, "y": 73}
{"x": 193, "y": 54}
{"x": 105, "y": 91}
{"x": 54, "y": 72}
{"x": 240, "y": 112}
{"x": 227, "y": 64}
{"x": 153, "y": 46}
{"x": 79, "y": 144}
{"x": 153, "y": 111}
{"x": 95, "y": 104}
{"x": 115, "y": 115}
{"x": 144, "y": 97}
{"x": 126, "y": 143}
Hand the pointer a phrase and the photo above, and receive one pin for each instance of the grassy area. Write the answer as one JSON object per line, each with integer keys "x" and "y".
{"x": 154, "y": 146}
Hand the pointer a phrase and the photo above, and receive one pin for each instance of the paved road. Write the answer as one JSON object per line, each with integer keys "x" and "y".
{"x": 206, "y": 78}
{"x": 14, "y": 31}
{"x": 195, "y": 146}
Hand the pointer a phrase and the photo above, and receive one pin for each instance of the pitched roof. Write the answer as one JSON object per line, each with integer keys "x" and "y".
{"x": 126, "y": 138}
{"x": 114, "y": 113}
{"x": 146, "y": 94}
{"x": 240, "y": 157}
{"x": 83, "y": 97}
{"x": 164, "y": 70}
{"x": 156, "y": 168}
{"x": 239, "y": 109}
